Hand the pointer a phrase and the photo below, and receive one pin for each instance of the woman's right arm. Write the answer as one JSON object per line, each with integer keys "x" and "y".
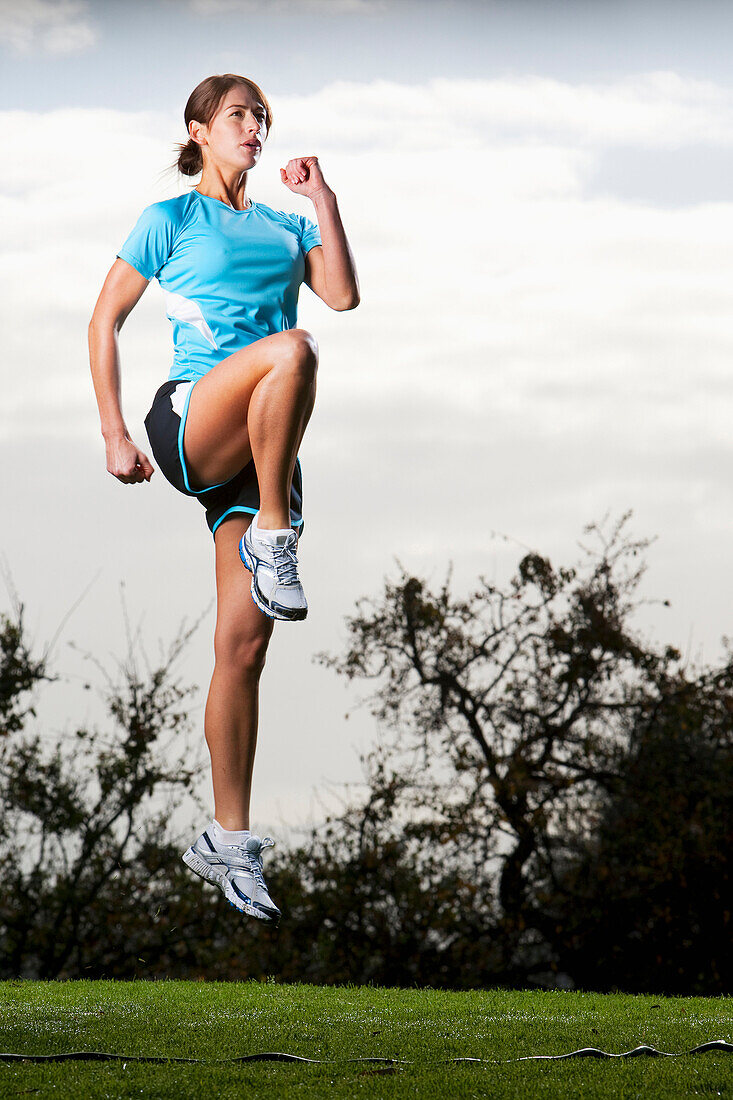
{"x": 122, "y": 290}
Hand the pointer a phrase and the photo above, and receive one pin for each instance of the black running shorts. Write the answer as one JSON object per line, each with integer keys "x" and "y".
{"x": 165, "y": 424}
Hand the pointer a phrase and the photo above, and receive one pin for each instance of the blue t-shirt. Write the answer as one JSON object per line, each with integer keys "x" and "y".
{"x": 229, "y": 277}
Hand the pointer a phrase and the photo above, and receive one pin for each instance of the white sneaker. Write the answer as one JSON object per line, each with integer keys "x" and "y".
{"x": 237, "y": 871}
{"x": 270, "y": 558}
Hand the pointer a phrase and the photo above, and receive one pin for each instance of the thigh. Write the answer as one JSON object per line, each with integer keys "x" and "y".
{"x": 215, "y": 440}
{"x": 240, "y": 625}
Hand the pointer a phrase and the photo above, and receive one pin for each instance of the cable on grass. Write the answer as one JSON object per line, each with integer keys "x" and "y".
{"x": 274, "y": 1056}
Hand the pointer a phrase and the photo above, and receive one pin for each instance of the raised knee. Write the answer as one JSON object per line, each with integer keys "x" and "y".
{"x": 301, "y": 352}
{"x": 244, "y": 654}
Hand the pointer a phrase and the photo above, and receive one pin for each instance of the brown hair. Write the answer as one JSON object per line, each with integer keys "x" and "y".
{"x": 202, "y": 105}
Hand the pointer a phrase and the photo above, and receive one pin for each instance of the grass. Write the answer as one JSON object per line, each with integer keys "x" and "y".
{"x": 210, "y": 1020}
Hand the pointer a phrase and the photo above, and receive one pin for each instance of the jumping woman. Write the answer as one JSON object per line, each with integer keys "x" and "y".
{"x": 227, "y": 424}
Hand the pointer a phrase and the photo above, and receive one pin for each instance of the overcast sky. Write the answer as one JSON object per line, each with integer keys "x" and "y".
{"x": 537, "y": 198}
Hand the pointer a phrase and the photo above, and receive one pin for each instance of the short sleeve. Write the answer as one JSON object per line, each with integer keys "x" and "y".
{"x": 310, "y": 234}
{"x": 151, "y": 241}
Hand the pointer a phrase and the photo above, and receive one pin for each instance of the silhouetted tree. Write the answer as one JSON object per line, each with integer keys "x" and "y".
{"x": 92, "y": 882}
{"x": 523, "y": 719}
{"x": 646, "y": 901}
{"x": 548, "y": 801}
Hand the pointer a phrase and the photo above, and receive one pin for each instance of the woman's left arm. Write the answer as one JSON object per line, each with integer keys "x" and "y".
{"x": 330, "y": 270}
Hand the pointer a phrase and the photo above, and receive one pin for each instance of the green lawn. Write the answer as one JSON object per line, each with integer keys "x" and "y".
{"x": 222, "y": 1020}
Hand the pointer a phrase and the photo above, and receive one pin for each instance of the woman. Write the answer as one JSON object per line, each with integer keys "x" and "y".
{"x": 227, "y": 424}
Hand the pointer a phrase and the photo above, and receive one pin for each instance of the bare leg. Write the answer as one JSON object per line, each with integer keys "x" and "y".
{"x": 279, "y": 410}
{"x": 240, "y": 644}
{"x": 254, "y": 405}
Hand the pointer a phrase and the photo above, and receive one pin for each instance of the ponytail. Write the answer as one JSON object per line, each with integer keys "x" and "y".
{"x": 190, "y": 159}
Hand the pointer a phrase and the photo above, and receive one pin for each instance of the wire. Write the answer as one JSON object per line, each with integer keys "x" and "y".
{"x": 273, "y": 1056}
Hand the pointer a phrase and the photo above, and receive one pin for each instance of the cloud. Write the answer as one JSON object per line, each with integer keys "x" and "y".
{"x": 46, "y": 26}
{"x": 493, "y": 253}
{"x": 529, "y": 353}
{"x": 658, "y": 110}
{"x": 287, "y": 7}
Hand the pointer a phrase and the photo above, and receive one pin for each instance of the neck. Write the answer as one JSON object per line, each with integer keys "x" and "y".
{"x": 227, "y": 187}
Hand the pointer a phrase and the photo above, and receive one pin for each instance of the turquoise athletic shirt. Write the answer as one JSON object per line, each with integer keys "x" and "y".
{"x": 229, "y": 277}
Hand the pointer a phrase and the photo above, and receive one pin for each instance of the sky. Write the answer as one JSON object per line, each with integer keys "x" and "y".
{"x": 537, "y": 199}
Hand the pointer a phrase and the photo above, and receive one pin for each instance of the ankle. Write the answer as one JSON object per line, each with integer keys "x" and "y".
{"x": 272, "y": 520}
{"x": 227, "y": 834}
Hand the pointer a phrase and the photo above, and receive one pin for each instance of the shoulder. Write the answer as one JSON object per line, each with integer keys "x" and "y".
{"x": 170, "y": 211}
{"x": 153, "y": 237}
{"x": 303, "y": 229}
{"x": 165, "y": 217}
{"x": 287, "y": 220}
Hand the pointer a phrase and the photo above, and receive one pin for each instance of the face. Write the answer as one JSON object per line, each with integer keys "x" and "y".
{"x": 236, "y": 133}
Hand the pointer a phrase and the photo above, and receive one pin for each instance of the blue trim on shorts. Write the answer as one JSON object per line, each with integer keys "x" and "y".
{"x": 226, "y": 498}
{"x": 252, "y": 512}
{"x": 181, "y": 430}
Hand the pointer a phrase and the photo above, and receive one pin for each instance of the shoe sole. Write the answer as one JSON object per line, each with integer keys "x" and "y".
{"x": 205, "y": 871}
{"x": 297, "y": 616}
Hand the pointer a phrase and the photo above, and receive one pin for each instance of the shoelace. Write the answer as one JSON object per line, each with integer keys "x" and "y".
{"x": 286, "y": 565}
{"x": 255, "y": 861}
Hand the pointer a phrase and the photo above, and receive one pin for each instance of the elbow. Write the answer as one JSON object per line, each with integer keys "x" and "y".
{"x": 101, "y": 322}
{"x": 347, "y": 303}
